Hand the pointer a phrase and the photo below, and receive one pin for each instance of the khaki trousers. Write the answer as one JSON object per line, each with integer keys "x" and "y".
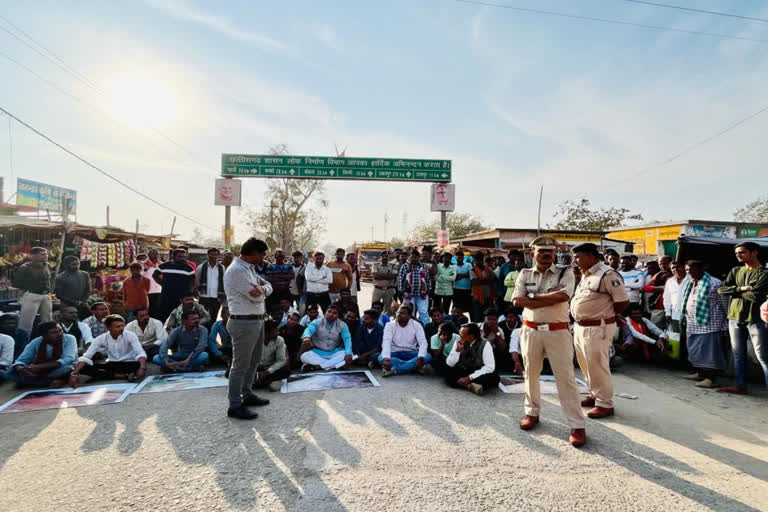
{"x": 31, "y": 305}
{"x": 592, "y": 351}
{"x": 558, "y": 347}
{"x": 386, "y": 297}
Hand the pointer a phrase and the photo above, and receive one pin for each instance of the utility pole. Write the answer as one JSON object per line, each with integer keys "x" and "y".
{"x": 272, "y": 206}
{"x": 107, "y": 215}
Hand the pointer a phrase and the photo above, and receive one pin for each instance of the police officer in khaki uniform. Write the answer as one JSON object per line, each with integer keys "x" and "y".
{"x": 544, "y": 292}
{"x": 599, "y": 298}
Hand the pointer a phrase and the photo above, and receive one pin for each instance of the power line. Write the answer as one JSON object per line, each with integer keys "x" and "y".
{"x": 100, "y": 170}
{"x": 702, "y": 11}
{"x": 612, "y": 21}
{"x": 58, "y": 62}
{"x": 688, "y": 149}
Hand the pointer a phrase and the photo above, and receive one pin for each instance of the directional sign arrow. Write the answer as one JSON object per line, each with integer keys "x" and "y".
{"x": 370, "y": 173}
{"x": 408, "y": 174}
{"x": 332, "y": 173}
{"x": 292, "y": 171}
{"x": 443, "y": 175}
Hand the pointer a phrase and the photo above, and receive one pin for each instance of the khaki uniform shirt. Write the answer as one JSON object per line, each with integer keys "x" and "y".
{"x": 531, "y": 280}
{"x": 385, "y": 269}
{"x": 600, "y": 288}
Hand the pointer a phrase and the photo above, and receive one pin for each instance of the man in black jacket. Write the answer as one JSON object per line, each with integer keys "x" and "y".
{"x": 210, "y": 283}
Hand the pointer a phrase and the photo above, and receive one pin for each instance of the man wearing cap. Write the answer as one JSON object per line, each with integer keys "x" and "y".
{"x": 384, "y": 281}
{"x": 544, "y": 291}
{"x": 599, "y": 298}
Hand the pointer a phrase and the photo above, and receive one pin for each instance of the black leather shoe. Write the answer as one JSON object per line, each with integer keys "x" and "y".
{"x": 255, "y": 400}
{"x": 241, "y": 413}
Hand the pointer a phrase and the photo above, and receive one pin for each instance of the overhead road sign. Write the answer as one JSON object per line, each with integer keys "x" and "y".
{"x": 335, "y": 168}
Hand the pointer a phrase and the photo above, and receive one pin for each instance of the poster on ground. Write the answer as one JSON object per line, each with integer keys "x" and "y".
{"x": 331, "y": 380}
{"x": 67, "y": 397}
{"x": 182, "y": 382}
{"x": 515, "y": 384}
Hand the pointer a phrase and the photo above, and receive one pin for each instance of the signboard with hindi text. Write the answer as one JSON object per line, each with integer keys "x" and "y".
{"x": 44, "y": 197}
{"x": 339, "y": 168}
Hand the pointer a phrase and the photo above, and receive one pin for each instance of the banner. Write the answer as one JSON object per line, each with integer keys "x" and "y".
{"x": 44, "y": 197}
{"x": 228, "y": 192}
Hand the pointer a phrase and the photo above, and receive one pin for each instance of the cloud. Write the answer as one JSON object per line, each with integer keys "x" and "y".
{"x": 183, "y": 10}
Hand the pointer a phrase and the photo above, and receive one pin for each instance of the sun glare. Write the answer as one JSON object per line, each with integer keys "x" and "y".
{"x": 141, "y": 100}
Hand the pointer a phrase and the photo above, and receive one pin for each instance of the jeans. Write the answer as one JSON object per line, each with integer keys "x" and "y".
{"x": 420, "y": 306}
{"x": 757, "y": 333}
{"x": 212, "y": 305}
{"x": 200, "y": 359}
{"x": 405, "y": 362}
{"x": 247, "y": 346}
{"x": 62, "y": 372}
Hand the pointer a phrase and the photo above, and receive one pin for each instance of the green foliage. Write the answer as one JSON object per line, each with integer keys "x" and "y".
{"x": 579, "y": 216}
{"x": 459, "y": 224}
{"x": 754, "y": 211}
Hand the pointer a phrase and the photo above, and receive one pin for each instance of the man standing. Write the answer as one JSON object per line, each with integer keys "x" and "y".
{"x": 544, "y": 292}
{"x": 177, "y": 277}
{"x": 149, "y": 331}
{"x": 72, "y": 286}
{"x": 279, "y": 275}
{"x": 123, "y": 350}
{"x": 634, "y": 279}
{"x": 46, "y": 360}
{"x": 342, "y": 276}
{"x": 461, "y": 289}
{"x": 354, "y": 286}
{"x": 246, "y": 292}
{"x": 658, "y": 273}
{"x": 384, "y": 281}
{"x": 187, "y": 343}
{"x": 318, "y": 278}
{"x": 327, "y": 342}
{"x": 151, "y": 262}
{"x": 673, "y": 295}
{"x": 135, "y": 291}
{"x": 747, "y": 286}
{"x": 297, "y": 288}
{"x": 34, "y": 278}
{"x": 483, "y": 287}
{"x": 404, "y": 346}
{"x": 704, "y": 320}
{"x": 470, "y": 365}
{"x": 612, "y": 258}
{"x": 413, "y": 282}
{"x": 509, "y": 272}
{"x": 210, "y": 282}
{"x": 444, "y": 281}
{"x": 599, "y": 298}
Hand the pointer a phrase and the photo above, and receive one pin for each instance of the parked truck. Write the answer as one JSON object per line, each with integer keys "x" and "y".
{"x": 369, "y": 253}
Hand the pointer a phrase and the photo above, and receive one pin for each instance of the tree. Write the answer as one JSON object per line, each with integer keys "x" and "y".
{"x": 754, "y": 211}
{"x": 397, "y": 243}
{"x": 580, "y": 216}
{"x": 199, "y": 238}
{"x": 293, "y": 219}
{"x": 459, "y": 224}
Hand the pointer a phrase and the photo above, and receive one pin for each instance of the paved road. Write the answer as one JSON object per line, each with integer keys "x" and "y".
{"x": 411, "y": 444}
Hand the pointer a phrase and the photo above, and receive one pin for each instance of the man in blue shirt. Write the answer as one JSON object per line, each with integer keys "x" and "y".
{"x": 462, "y": 289}
{"x": 47, "y": 360}
{"x": 190, "y": 341}
{"x": 382, "y": 318}
{"x": 223, "y": 349}
{"x": 367, "y": 341}
{"x": 9, "y": 324}
{"x": 177, "y": 277}
{"x": 327, "y": 342}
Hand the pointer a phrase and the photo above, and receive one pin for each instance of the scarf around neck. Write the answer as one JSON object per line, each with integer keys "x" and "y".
{"x": 701, "y": 317}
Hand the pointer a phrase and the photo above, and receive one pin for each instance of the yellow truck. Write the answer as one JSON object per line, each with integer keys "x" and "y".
{"x": 369, "y": 253}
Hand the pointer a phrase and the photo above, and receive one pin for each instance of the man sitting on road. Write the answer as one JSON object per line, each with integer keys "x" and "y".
{"x": 292, "y": 333}
{"x": 457, "y": 316}
{"x": 189, "y": 341}
{"x": 220, "y": 341}
{"x": 382, "y": 318}
{"x": 311, "y": 315}
{"x": 125, "y": 357}
{"x": 327, "y": 342}
{"x": 46, "y": 360}
{"x": 647, "y": 340}
{"x": 470, "y": 364}
{"x": 493, "y": 334}
{"x": 188, "y": 303}
{"x": 150, "y": 331}
{"x": 95, "y": 322}
{"x": 368, "y": 339}
{"x": 71, "y": 325}
{"x": 403, "y": 347}
{"x": 440, "y": 346}
{"x": 274, "y": 362}
{"x": 512, "y": 328}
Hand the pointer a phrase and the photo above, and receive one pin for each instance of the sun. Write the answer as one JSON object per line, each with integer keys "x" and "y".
{"x": 141, "y": 100}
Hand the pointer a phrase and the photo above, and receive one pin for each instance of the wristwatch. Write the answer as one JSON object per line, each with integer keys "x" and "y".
{"x": 531, "y": 295}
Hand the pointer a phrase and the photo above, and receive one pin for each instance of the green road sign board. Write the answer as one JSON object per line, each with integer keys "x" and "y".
{"x": 338, "y": 168}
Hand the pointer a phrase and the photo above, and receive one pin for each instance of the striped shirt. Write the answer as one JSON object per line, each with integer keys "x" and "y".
{"x": 178, "y": 278}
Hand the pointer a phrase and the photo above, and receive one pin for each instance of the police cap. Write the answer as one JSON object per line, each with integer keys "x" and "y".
{"x": 587, "y": 248}
{"x": 544, "y": 242}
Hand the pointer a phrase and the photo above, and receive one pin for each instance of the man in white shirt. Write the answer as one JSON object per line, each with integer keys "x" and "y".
{"x": 150, "y": 331}
{"x": 673, "y": 295}
{"x": 7, "y": 345}
{"x": 634, "y": 279}
{"x": 150, "y": 261}
{"x": 124, "y": 355}
{"x": 71, "y": 325}
{"x": 210, "y": 283}
{"x": 318, "y": 278}
{"x": 471, "y": 364}
{"x": 246, "y": 293}
{"x": 404, "y": 346}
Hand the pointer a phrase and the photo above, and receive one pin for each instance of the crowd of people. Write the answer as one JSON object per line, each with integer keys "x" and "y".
{"x": 467, "y": 318}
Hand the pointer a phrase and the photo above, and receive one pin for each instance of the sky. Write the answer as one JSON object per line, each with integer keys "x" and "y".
{"x": 159, "y": 89}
